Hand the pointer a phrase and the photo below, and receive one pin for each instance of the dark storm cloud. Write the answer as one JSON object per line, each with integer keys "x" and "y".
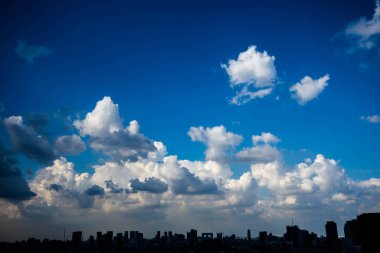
{"x": 26, "y": 141}
{"x": 151, "y": 184}
{"x": 12, "y": 185}
{"x": 191, "y": 184}
{"x": 122, "y": 145}
{"x": 31, "y": 52}
{"x": 95, "y": 190}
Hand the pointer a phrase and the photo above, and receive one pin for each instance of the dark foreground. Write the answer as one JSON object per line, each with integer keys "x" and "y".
{"x": 361, "y": 236}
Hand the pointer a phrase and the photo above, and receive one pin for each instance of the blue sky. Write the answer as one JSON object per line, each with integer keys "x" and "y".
{"x": 162, "y": 63}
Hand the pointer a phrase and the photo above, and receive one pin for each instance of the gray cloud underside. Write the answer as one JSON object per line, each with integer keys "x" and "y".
{"x": 121, "y": 145}
{"x": 13, "y": 185}
{"x": 152, "y": 185}
{"x": 26, "y": 141}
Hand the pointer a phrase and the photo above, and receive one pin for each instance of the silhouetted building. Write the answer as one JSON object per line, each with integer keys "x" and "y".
{"x": 98, "y": 236}
{"x": 368, "y": 225}
{"x": 132, "y": 235}
{"x": 77, "y": 237}
{"x": 192, "y": 236}
{"x": 263, "y": 236}
{"x": 363, "y": 232}
{"x": 99, "y": 239}
{"x": 332, "y": 241}
{"x": 292, "y": 235}
{"x": 119, "y": 238}
{"x": 108, "y": 237}
{"x": 351, "y": 233}
{"x": 158, "y": 235}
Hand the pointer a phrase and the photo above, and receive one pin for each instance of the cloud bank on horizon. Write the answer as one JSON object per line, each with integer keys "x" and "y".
{"x": 139, "y": 184}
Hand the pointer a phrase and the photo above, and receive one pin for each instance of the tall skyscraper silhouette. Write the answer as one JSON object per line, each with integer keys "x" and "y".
{"x": 368, "y": 231}
{"x": 332, "y": 236}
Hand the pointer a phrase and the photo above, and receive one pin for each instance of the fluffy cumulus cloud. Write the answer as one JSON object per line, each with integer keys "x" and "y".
{"x": 105, "y": 128}
{"x": 26, "y": 141}
{"x": 308, "y": 89}
{"x": 70, "y": 144}
{"x": 217, "y": 140}
{"x": 160, "y": 191}
{"x": 265, "y": 138}
{"x": 262, "y": 149}
{"x": 59, "y": 185}
{"x": 31, "y": 52}
{"x": 365, "y": 32}
{"x": 252, "y": 69}
{"x": 371, "y": 118}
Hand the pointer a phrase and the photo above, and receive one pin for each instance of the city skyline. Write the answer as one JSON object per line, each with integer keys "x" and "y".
{"x": 359, "y": 236}
{"x": 219, "y": 116}
{"x": 247, "y": 234}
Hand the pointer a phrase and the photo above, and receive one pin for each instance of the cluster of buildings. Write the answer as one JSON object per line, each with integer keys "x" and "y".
{"x": 361, "y": 235}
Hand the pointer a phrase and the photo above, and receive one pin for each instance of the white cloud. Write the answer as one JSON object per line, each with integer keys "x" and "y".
{"x": 371, "y": 119}
{"x": 308, "y": 89}
{"x": 134, "y": 127}
{"x": 208, "y": 170}
{"x": 265, "y": 138}
{"x": 102, "y": 121}
{"x": 262, "y": 153}
{"x": 372, "y": 182}
{"x": 252, "y": 68}
{"x": 217, "y": 140}
{"x": 202, "y": 186}
{"x": 243, "y": 96}
{"x": 365, "y": 32}
{"x": 59, "y": 185}
{"x": 322, "y": 177}
{"x": 104, "y": 125}
{"x": 339, "y": 197}
{"x": 267, "y": 191}
{"x": 262, "y": 150}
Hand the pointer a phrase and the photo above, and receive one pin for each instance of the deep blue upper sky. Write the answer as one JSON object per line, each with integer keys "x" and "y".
{"x": 161, "y": 62}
